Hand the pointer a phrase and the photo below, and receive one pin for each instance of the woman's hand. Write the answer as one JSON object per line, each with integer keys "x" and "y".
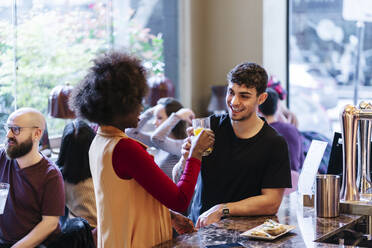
{"x": 186, "y": 114}
{"x": 190, "y": 131}
{"x": 181, "y": 223}
{"x": 200, "y": 143}
{"x": 185, "y": 151}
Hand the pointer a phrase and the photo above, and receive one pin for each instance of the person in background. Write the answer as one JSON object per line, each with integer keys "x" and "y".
{"x": 283, "y": 113}
{"x": 44, "y": 146}
{"x": 170, "y": 120}
{"x": 36, "y": 197}
{"x": 290, "y": 133}
{"x": 133, "y": 194}
{"x": 248, "y": 170}
{"x": 73, "y": 159}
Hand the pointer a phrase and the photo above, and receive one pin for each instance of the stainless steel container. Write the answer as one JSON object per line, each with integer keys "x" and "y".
{"x": 327, "y": 197}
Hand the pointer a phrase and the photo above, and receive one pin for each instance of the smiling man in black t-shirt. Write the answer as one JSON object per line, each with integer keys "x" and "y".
{"x": 249, "y": 168}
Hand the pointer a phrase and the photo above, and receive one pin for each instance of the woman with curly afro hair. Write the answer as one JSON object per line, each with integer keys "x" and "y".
{"x": 133, "y": 195}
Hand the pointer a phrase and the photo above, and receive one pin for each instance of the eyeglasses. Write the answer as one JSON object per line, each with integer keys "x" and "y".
{"x": 16, "y": 130}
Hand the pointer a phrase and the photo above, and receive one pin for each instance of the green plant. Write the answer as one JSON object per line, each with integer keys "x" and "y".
{"x": 148, "y": 47}
{"x": 56, "y": 47}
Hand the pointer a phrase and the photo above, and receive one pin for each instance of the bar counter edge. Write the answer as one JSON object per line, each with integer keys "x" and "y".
{"x": 309, "y": 228}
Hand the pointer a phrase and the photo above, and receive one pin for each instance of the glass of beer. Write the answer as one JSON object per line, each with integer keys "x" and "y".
{"x": 199, "y": 124}
{"x": 4, "y": 189}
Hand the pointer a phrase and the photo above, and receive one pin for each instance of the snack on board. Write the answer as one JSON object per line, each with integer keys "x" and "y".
{"x": 259, "y": 233}
{"x": 273, "y": 228}
{"x": 269, "y": 230}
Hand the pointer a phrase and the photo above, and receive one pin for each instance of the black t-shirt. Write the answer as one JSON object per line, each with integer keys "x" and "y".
{"x": 240, "y": 168}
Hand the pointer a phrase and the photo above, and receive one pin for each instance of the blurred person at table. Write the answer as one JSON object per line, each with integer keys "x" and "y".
{"x": 170, "y": 120}
{"x": 36, "y": 197}
{"x": 132, "y": 193}
{"x": 290, "y": 133}
{"x": 73, "y": 159}
{"x": 249, "y": 168}
{"x": 283, "y": 114}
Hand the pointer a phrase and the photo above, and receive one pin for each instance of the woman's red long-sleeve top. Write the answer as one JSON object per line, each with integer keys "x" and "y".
{"x": 131, "y": 160}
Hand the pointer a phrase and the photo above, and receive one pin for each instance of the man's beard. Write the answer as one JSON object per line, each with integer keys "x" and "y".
{"x": 18, "y": 150}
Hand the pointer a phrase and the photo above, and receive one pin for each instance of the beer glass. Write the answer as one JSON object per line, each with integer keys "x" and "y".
{"x": 199, "y": 124}
{"x": 4, "y": 189}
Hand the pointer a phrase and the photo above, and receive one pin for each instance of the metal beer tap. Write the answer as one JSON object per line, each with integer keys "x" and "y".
{"x": 350, "y": 117}
{"x": 364, "y": 148}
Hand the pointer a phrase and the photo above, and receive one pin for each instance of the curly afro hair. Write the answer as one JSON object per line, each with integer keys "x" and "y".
{"x": 114, "y": 86}
{"x": 249, "y": 74}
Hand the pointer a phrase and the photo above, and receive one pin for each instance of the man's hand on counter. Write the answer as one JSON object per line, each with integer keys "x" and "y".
{"x": 213, "y": 215}
{"x": 267, "y": 203}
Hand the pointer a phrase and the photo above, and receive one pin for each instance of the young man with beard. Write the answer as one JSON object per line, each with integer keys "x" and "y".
{"x": 36, "y": 195}
{"x": 249, "y": 167}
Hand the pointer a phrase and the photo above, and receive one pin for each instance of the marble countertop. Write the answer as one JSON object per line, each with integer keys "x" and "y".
{"x": 291, "y": 212}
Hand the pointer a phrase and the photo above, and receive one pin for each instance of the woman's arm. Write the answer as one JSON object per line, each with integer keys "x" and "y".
{"x": 137, "y": 133}
{"x": 130, "y": 160}
{"x": 180, "y": 166}
{"x": 161, "y": 140}
{"x": 178, "y": 170}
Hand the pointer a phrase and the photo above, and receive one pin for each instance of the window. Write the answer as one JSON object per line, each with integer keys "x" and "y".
{"x": 323, "y": 48}
{"x": 45, "y": 43}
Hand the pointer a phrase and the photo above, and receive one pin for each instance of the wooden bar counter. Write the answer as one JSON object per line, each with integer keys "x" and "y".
{"x": 308, "y": 228}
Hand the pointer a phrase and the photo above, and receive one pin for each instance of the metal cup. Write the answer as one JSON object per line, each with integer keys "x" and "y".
{"x": 327, "y": 197}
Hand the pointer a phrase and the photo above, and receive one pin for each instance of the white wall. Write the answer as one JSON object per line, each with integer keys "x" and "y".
{"x": 216, "y": 35}
{"x": 275, "y": 38}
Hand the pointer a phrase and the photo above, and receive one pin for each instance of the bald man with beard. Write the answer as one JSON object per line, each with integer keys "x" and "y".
{"x": 36, "y": 195}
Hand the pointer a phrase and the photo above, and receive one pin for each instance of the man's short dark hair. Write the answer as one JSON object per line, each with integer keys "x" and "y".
{"x": 114, "y": 86}
{"x": 270, "y": 105}
{"x": 249, "y": 74}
